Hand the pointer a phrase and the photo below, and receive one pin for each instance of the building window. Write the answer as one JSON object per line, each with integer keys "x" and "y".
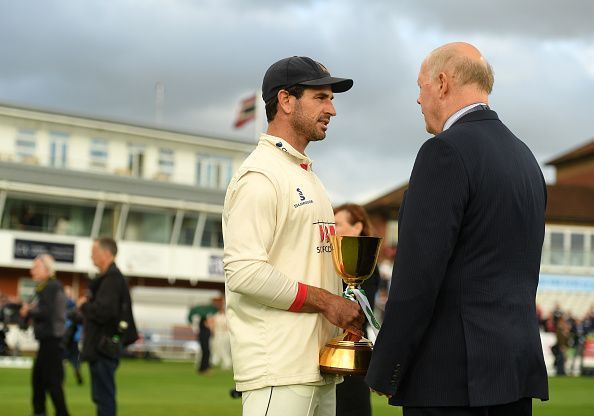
{"x": 55, "y": 216}
{"x": 26, "y": 144}
{"x": 592, "y": 250}
{"x": 109, "y": 220}
{"x": 570, "y": 248}
{"x": 213, "y": 172}
{"x": 557, "y": 248}
{"x": 577, "y": 253}
{"x": 25, "y": 290}
{"x": 136, "y": 160}
{"x": 166, "y": 162}
{"x": 212, "y": 235}
{"x": 98, "y": 153}
{"x": 188, "y": 229}
{"x": 58, "y": 149}
{"x": 149, "y": 225}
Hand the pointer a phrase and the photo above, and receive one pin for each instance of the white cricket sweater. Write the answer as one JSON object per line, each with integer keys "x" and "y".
{"x": 276, "y": 222}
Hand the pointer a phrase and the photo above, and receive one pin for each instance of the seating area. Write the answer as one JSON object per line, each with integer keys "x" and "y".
{"x": 577, "y": 304}
{"x": 179, "y": 343}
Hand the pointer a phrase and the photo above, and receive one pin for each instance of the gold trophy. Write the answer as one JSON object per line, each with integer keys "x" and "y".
{"x": 354, "y": 259}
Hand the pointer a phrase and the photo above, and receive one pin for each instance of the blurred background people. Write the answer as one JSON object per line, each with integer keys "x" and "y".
{"x": 10, "y": 316}
{"x": 352, "y": 395}
{"x": 47, "y": 311}
{"x": 221, "y": 344}
{"x": 73, "y": 334}
{"x": 3, "y": 324}
{"x": 578, "y": 341}
{"x": 201, "y": 313}
{"x": 563, "y": 332}
{"x": 568, "y": 335}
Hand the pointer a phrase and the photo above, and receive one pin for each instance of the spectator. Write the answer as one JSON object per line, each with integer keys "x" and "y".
{"x": 221, "y": 344}
{"x": 202, "y": 312}
{"x": 73, "y": 334}
{"x": 3, "y": 324}
{"x": 556, "y": 314}
{"x": 563, "y": 332}
{"x": 47, "y": 310}
{"x": 578, "y": 340}
{"x": 589, "y": 321}
{"x": 108, "y": 323}
{"x": 29, "y": 220}
{"x": 540, "y": 317}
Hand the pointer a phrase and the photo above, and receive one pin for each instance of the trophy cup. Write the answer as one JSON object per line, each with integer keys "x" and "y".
{"x": 354, "y": 259}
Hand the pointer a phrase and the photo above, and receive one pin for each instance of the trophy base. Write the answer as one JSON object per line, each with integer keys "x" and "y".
{"x": 346, "y": 354}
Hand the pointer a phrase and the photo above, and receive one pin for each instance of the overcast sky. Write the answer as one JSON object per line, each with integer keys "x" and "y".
{"x": 103, "y": 58}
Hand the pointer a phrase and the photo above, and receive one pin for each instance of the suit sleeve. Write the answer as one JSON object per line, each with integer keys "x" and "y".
{"x": 249, "y": 232}
{"x": 435, "y": 202}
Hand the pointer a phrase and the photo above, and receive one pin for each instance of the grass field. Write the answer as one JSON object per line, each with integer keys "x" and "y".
{"x": 174, "y": 389}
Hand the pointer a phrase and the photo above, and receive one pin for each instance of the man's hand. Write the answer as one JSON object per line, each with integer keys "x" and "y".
{"x": 341, "y": 312}
{"x": 345, "y": 314}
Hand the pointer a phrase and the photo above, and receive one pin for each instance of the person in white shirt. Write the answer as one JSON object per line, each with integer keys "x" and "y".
{"x": 282, "y": 292}
{"x": 221, "y": 346}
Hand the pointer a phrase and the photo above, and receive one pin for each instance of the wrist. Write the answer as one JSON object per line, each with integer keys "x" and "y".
{"x": 300, "y": 298}
{"x": 318, "y": 300}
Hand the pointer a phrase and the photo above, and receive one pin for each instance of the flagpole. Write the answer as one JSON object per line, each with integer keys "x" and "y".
{"x": 258, "y": 122}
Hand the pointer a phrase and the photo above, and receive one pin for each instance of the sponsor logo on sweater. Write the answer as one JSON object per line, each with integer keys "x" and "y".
{"x": 326, "y": 229}
{"x": 302, "y": 199}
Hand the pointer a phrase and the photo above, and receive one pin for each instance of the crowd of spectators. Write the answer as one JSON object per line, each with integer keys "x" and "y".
{"x": 572, "y": 333}
{"x": 9, "y": 315}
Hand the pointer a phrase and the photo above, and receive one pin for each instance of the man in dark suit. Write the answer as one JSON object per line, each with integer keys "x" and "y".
{"x": 460, "y": 334}
{"x": 105, "y": 310}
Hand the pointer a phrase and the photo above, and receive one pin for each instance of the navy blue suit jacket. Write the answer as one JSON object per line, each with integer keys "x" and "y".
{"x": 460, "y": 327}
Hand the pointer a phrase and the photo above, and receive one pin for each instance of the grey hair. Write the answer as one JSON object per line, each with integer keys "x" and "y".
{"x": 466, "y": 70}
{"x": 48, "y": 262}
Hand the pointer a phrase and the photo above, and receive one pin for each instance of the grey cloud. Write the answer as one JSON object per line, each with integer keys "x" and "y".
{"x": 104, "y": 58}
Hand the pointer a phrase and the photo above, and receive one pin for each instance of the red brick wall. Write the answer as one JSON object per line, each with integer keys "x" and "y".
{"x": 580, "y": 173}
{"x": 9, "y": 282}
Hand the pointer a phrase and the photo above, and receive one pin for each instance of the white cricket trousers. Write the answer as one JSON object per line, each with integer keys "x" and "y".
{"x": 294, "y": 400}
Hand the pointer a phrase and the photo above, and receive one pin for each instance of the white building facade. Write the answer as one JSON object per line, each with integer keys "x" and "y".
{"x": 65, "y": 180}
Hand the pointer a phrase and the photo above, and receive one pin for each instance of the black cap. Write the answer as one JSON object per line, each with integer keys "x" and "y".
{"x": 299, "y": 70}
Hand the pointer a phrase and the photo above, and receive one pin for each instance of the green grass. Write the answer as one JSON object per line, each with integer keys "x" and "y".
{"x": 174, "y": 389}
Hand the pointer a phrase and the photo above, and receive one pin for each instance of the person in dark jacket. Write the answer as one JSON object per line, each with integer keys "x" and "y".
{"x": 460, "y": 335}
{"x": 352, "y": 395}
{"x": 102, "y": 310}
{"x": 47, "y": 310}
{"x": 203, "y": 312}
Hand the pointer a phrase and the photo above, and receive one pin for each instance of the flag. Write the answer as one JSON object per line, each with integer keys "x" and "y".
{"x": 247, "y": 111}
